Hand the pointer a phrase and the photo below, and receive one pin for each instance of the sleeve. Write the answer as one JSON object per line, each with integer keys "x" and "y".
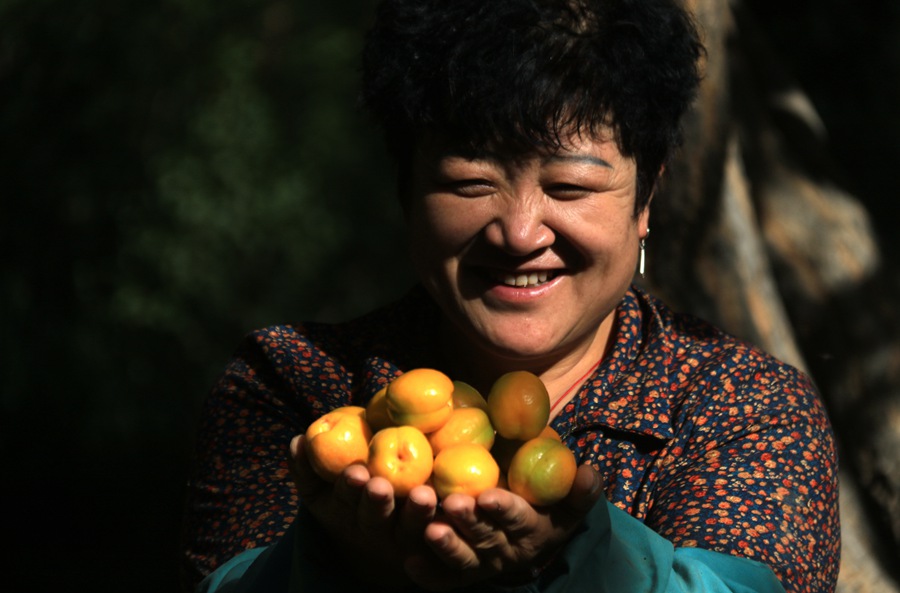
{"x": 297, "y": 563}
{"x": 613, "y": 552}
{"x": 757, "y": 477}
{"x": 240, "y": 495}
{"x": 258, "y": 569}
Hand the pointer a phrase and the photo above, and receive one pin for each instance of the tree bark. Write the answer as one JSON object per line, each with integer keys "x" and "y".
{"x": 753, "y": 231}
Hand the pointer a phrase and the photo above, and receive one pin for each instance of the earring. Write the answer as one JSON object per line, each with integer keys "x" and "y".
{"x": 643, "y": 256}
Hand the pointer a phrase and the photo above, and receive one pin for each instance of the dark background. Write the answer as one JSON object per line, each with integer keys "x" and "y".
{"x": 176, "y": 173}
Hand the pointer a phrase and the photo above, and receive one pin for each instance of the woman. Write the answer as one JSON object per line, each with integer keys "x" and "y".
{"x": 529, "y": 136}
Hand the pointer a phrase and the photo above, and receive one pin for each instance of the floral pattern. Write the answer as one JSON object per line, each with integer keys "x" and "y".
{"x": 706, "y": 439}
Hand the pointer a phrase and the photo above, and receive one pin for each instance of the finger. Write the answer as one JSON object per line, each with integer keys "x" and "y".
{"x": 449, "y": 548}
{"x": 308, "y": 483}
{"x": 585, "y": 491}
{"x": 462, "y": 512}
{"x": 349, "y": 485}
{"x": 507, "y": 511}
{"x": 376, "y": 507}
{"x": 298, "y": 465}
{"x": 418, "y": 510}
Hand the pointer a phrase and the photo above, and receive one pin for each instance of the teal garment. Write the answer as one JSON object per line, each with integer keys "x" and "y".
{"x": 612, "y": 553}
{"x": 616, "y": 553}
{"x": 259, "y": 570}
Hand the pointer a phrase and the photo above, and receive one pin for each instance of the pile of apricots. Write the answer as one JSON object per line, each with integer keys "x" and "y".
{"x": 424, "y": 428}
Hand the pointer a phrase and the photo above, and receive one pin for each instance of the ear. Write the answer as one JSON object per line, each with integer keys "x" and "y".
{"x": 643, "y": 217}
{"x": 643, "y": 220}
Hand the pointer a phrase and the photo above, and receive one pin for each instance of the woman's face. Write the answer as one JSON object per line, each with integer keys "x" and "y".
{"x": 527, "y": 257}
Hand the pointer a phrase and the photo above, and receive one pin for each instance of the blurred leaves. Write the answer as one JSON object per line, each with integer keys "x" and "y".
{"x": 175, "y": 174}
{"x": 180, "y": 174}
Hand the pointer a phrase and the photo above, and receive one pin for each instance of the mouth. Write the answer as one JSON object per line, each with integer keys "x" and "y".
{"x": 529, "y": 280}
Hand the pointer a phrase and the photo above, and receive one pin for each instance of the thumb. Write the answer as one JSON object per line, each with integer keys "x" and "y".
{"x": 586, "y": 490}
{"x": 308, "y": 484}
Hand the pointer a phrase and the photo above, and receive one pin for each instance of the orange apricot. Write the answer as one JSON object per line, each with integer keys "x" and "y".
{"x": 401, "y": 455}
{"x": 504, "y": 449}
{"x": 466, "y": 469}
{"x": 355, "y": 410}
{"x": 550, "y": 432}
{"x": 422, "y": 398}
{"x": 465, "y": 425}
{"x": 336, "y": 440}
{"x": 466, "y": 396}
{"x": 542, "y": 471}
{"x": 519, "y": 405}
{"x": 377, "y": 412}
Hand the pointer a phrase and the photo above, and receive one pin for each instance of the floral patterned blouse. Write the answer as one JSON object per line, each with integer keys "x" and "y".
{"x": 705, "y": 439}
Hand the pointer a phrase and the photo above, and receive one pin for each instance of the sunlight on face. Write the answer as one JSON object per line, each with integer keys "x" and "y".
{"x": 527, "y": 257}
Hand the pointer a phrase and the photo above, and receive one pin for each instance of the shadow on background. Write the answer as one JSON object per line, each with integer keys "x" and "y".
{"x": 178, "y": 173}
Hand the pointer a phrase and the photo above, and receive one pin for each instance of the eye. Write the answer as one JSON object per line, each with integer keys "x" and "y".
{"x": 469, "y": 188}
{"x": 567, "y": 191}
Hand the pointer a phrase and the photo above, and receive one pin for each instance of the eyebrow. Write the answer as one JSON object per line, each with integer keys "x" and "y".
{"x": 584, "y": 158}
{"x": 496, "y": 157}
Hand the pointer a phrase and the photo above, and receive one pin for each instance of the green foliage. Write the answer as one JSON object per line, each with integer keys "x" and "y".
{"x": 176, "y": 174}
{"x": 188, "y": 170}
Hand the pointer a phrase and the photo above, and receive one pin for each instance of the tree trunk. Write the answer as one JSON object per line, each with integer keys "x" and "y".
{"x": 753, "y": 231}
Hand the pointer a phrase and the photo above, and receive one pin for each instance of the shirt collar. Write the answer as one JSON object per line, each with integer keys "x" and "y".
{"x": 629, "y": 391}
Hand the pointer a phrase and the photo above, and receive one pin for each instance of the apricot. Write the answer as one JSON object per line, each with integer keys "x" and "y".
{"x": 355, "y": 410}
{"x": 401, "y": 455}
{"x": 542, "y": 471}
{"x": 337, "y": 440}
{"x": 466, "y": 469}
{"x": 550, "y": 432}
{"x": 465, "y": 425}
{"x": 466, "y": 396}
{"x": 504, "y": 449}
{"x": 377, "y": 412}
{"x": 422, "y": 398}
{"x": 519, "y": 405}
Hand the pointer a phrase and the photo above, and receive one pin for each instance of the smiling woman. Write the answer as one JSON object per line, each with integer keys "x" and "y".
{"x": 526, "y": 255}
{"x": 529, "y": 136}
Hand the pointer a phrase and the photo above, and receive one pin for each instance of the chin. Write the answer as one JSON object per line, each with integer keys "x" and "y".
{"x": 518, "y": 346}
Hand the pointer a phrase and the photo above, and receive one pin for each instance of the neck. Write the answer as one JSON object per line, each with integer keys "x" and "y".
{"x": 562, "y": 372}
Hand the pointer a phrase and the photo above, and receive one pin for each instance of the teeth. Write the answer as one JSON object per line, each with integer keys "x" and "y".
{"x": 525, "y": 280}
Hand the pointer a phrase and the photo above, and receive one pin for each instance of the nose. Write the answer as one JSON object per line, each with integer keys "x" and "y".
{"x": 520, "y": 227}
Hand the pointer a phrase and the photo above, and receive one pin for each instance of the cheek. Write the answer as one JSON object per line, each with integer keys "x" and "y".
{"x": 602, "y": 238}
{"x": 441, "y": 229}
{"x": 432, "y": 241}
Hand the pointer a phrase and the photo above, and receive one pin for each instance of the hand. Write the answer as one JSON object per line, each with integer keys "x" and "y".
{"x": 498, "y": 534}
{"x": 375, "y": 529}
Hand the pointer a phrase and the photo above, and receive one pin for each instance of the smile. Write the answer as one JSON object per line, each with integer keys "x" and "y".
{"x": 526, "y": 280}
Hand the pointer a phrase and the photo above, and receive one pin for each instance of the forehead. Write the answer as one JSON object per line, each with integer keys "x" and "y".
{"x": 599, "y": 149}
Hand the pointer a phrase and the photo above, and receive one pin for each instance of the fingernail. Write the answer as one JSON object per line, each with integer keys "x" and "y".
{"x": 443, "y": 542}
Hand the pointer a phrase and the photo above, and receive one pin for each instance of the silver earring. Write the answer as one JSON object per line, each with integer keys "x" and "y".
{"x": 643, "y": 256}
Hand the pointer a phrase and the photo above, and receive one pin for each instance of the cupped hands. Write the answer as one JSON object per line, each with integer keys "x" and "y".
{"x": 396, "y": 542}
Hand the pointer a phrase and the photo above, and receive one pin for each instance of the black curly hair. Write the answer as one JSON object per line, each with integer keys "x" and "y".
{"x": 519, "y": 74}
